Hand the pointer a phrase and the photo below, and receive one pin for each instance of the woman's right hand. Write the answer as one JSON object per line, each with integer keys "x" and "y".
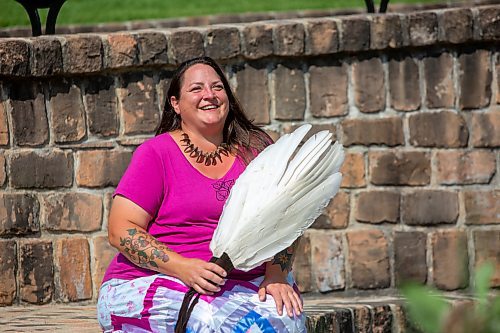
{"x": 204, "y": 277}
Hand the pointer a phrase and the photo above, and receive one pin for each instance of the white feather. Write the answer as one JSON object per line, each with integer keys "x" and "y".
{"x": 276, "y": 199}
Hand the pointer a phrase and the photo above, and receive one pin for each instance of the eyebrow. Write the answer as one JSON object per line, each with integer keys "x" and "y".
{"x": 201, "y": 83}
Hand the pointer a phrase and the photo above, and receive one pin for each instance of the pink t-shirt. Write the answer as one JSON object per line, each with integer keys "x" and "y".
{"x": 185, "y": 204}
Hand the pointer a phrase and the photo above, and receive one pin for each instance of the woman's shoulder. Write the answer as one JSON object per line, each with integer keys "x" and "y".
{"x": 159, "y": 144}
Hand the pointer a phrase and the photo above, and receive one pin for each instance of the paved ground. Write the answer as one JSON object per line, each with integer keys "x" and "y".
{"x": 82, "y": 318}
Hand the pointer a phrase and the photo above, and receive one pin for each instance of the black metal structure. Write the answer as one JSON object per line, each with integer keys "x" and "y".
{"x": 32, "y": 6}
{"x": 370, "y": 6}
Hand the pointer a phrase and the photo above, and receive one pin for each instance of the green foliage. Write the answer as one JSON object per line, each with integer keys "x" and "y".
{"x": 432, "y": 313}
{"x": 97, "y": 11}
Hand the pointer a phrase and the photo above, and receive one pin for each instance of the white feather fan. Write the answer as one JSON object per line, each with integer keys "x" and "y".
{"x": 277, "y": 198}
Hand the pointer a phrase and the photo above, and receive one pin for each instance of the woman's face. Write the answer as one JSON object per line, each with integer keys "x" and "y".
{"x": 202, "y": 101}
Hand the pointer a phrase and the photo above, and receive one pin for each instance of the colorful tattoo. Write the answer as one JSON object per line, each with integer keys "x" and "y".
{"x": 142, "y": 249}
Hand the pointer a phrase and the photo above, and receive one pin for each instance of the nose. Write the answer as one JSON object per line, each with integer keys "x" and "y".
{"x": 208, "y": 93}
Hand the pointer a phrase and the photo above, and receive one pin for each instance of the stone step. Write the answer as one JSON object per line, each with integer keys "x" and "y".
{"x": 324, "y": 314}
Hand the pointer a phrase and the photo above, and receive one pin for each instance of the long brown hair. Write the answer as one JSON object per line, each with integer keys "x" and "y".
{"x": 239, "y": 131}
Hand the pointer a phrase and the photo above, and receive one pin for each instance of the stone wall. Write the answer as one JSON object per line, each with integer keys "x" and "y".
{"x": 414, "y": 98}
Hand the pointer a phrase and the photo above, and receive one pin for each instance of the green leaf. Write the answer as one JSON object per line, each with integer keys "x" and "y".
{"x": 426, "y": 307}
{"x": 132, "y": 232}
{"x": 142, "y": 254}
{"x": 482, "y": 280}
{"x": 152, "y": 263}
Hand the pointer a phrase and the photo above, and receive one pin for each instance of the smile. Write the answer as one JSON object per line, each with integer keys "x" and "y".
{"x": 209, "y": 107}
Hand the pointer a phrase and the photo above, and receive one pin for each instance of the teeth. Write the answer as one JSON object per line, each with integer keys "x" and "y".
{"x": 209, "y": 107}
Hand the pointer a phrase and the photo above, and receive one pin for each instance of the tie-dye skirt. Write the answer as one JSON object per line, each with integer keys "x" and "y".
{"x": 151, "y": 304}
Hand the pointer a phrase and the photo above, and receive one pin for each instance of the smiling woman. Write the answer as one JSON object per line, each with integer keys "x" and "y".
{"x": 97, "y": 11}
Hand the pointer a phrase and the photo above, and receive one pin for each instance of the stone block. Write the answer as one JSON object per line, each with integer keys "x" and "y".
{"x": 67, "y": 114}
{"x": 327, "y": 254}
{"x": 289, "y": 128}
{"x": 445, "y": 129}
{"x": 4, "y": 126}
{"x": 410, "y": 257}
{"x": 29, "y": 115}
{"x": 474, "y": 79}
{"x": 423, "y": 28}
{"x": 386, "y": 32}
{"x": 336, "y": 214}
{"x": 355, "y": 33}
{"x": 481, "y": 207}
{"x": 257, "y": 40}
{"x": 465, "y": 167}
{"x": 456, "y": 25}
{"x": 382, "y": 319}
{"x": 362, "y": 319}
{"x": 289, "y": 39}
{"x": 381, "y": 131}
{"x": 101, "y": 102}
{"x": 41, "y": 169}
{"x": 73, "y": 259}
{"x": 121, "y": 50}
{"x": 290, "y": 92}
{"x": 82, "y": 54}
{"x": 322, "y": 37}
{"x": 81, "y": 212}
{"x": 103, "y": 254}
{"x": 47, "y": 56}
{"x": 253, "y": 92}
{"x": 400, "y": 168}
{"x": 101, "y": 168}
{"x": 487, "y": 249}
{"x": 8, "y": 272}
{"x": 377, "y": 207}
{"x": 429, "y": 207}
{"x": 497, "y": 69}
{"x": 19, "y": 214}
{"x": 489, "y": 23}
{"x": 328, "y": 89}
{"x": 185, "y": 44}
{"x": 14, "y": 57}
{"x": 484, "y": 129}
{"x": 302, "y": 264}
{"x": 3, "y": 175}
{"x": 139, "y": 105}
{"x": 36, "y": 272}
{"x": 222, "y": 42}
{"x": 353, "y": 170}
{"x": 450, "y": 259}
{"x": 369, "y": 85}
{"x": 369, "y": 259}
{"x": 439, "y": 86}
{"x": 404, "y": 83}
{"x": 152, "y": 47}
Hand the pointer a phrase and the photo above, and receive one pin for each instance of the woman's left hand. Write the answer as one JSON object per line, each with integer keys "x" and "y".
{"x": 283, "y": 294}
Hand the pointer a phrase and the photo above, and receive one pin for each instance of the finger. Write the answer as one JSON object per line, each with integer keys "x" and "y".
{"x": 262, "y": 294}
{"x": 201, "y": 290}
{"x": 279, "y": 303}
{"x": 208, "y": 286}
{"x": 216, "y": 269}
{"x": 214, "y": 278}
{"x": 295, "y": 304}
{"x": 299, "y": 301}
{"x": 288, "y": 304}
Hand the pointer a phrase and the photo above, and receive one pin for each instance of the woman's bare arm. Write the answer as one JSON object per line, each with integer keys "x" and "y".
{"x": 127, "y": 232}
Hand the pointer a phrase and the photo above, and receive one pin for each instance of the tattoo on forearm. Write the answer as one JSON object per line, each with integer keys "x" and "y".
{"x": 143, "y": 250}
{"x": 284, "y": 259}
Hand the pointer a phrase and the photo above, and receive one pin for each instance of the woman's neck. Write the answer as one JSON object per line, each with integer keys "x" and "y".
{"x": 207, "y": 140}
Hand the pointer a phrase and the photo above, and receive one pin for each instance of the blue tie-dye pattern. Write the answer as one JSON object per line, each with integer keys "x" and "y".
{"x": 253, "y": 318}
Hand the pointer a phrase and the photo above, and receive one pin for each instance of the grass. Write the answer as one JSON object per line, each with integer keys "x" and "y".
{"x": 98, "y": 11}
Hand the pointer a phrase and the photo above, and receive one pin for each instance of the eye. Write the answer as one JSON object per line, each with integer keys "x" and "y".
{"x": 195, "y": 88}
{"x": 219, "y": 87}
